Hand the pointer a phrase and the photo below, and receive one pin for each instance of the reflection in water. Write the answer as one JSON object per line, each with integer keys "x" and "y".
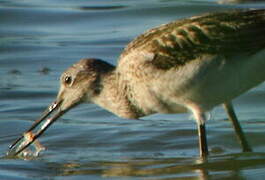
{"x": 101, "y": 7}
{"x": 238, "y": 1}
{"x": 139, "y": 167}
{"x": 218, "y": 167}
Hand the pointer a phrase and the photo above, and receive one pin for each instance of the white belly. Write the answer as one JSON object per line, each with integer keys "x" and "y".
{"x": 206, "y": 82}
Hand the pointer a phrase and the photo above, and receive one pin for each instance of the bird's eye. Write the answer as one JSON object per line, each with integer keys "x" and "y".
{"x": 68, "y": 80}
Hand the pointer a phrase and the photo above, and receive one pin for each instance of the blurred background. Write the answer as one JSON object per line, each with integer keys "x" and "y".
{"x": 40, "y": 39}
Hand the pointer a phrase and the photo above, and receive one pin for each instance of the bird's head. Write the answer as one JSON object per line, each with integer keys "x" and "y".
{"x": 81, "y": 81}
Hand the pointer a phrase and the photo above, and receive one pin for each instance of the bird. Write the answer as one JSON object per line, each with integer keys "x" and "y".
{"x": 190, "y": 65}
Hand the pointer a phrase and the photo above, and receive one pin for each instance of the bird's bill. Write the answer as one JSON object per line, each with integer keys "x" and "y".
{"x": 50, "y": 115}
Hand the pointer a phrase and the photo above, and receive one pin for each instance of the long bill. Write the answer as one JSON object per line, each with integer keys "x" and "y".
{"x": 16, "y": 147}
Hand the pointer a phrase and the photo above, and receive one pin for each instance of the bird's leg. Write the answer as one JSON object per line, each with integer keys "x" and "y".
{"x": 202, "y": 137}
{"x": 202, "y": 140}
{"x": 201, "y": 120}
{"x": 239, "y": 132}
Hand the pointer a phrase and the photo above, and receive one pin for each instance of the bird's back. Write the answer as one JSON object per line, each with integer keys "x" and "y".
{"x": 181, "y": 41}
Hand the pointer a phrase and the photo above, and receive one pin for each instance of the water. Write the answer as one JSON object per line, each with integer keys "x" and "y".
{"x": 39, "y": 39}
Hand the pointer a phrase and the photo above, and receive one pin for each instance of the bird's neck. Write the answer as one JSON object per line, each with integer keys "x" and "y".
{"x": 114, "y": 96}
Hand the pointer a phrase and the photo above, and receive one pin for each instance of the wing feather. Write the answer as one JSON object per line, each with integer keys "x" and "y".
{"x": 227, "y": 33}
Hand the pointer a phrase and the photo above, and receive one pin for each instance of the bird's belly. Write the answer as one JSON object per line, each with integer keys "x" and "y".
{"x": 208, "y": 82}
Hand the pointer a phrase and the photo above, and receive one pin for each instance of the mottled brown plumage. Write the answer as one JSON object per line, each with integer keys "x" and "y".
{"x": 224, "y": 33}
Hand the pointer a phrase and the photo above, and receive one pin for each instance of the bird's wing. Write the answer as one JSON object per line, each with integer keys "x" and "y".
{"x": 227, "y": 33}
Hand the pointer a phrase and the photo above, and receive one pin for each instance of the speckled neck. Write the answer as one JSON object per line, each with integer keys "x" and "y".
{"x": 114, "y": 97}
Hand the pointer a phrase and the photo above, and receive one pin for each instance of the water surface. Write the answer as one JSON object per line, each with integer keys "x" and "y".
{"x": 40, "y": 39}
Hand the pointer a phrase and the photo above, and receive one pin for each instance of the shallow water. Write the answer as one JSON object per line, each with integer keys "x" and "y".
{"x": 39, "y": 39}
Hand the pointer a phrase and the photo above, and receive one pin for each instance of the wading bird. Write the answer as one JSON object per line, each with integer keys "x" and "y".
{"x": 189, "y": 65}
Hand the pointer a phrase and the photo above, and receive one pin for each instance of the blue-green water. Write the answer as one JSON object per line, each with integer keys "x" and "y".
{"x": 89, "y": 142}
